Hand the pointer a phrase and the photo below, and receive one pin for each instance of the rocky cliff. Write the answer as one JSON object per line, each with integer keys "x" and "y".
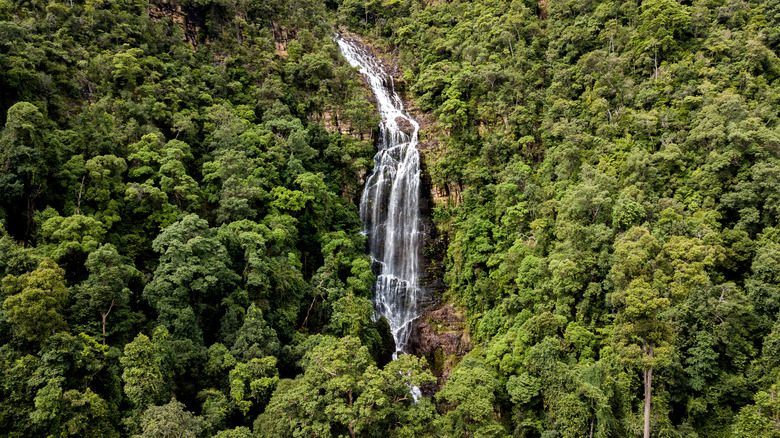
{"x": 440, "y": 336}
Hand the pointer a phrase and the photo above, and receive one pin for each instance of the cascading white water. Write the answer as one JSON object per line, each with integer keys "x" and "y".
{"x": 389, "y": 205}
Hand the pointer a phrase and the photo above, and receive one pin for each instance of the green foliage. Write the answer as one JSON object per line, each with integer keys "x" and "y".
{"x": 238, "y": 432}
{"x": 145, "y": 374}
{"x": 71, "y": 413}
{"x": 69, "y": 239}
{"x": 610, "y": 184}
{"x": 176, "y": 168}
{"x": 760, "y": 418}
{"x": 34, "y": 302}
{"x": 253, "y": 380}
{"x": 604, "y": 210}
{"x": 169, "y": 420}
{"x": 470, "y": 395}
{"x": 192, "y": 269}
{"x": 106, "y": 290}
{"x": 255, "y": 339}
{"x": 28, "y": 158}
{"x": 342, "y": 391}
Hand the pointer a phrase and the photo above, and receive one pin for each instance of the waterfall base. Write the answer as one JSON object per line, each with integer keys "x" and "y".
{"x": 441, "y": 338}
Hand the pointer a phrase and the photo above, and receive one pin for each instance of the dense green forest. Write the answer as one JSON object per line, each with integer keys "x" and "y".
{"x": 180, "y": 247}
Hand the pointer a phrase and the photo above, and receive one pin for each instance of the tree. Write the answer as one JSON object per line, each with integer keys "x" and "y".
{"x": 70, "y": 239}
{"x": 352, "y": 317}
{"x": 193, "y": 275}
{"x": 169, "y": 420}
{"x": 72, "y": 412}
{"x": 144, "y": 373}
{"x": 640, "y": 334}
{"x": 662, "y": 23}
{"x": 342, "y": 392}
{"x": 763, "y": 286}
{"x": 271, "y": 268}
{"x": 34, "y": 301}
{"x": 238, "y": 432}
{"x": 126, "y": 67}
{"x": 469, "y": 395}
{"x": 26, "y": 160}
{"x": 143, "y": 193}
{"x": 252, "y": 383}
{"x": 760, "y": 418}
{"x": 255, "y": 340}
{"x": 106, "y": 182}
{"x": 174, "y": 179}
{"x": 107, "y": 288}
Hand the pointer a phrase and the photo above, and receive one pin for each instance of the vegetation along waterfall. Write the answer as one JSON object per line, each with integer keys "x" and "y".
{"x": 389, "y": 205}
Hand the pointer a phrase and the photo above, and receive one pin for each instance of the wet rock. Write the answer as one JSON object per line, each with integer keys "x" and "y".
{"x": 434, "y": 247}
{"x": 440, "y": 337}
{"x": 404, "y": 125}
{"x": 384, "y": 354}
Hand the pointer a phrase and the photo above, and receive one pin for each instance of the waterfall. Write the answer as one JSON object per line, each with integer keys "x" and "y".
{"x": 389, "y": 204}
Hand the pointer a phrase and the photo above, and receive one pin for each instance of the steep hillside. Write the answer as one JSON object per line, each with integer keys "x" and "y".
{"x": 615, "y": 239}
{"x": 178, "y": 216}
{"x": 180, "y": 246}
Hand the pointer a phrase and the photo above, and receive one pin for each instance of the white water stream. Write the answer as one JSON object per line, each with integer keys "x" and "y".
{"x": 389, "y": 205}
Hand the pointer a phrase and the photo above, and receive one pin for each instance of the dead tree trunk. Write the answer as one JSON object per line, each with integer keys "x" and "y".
{"x": 648, "y": 381}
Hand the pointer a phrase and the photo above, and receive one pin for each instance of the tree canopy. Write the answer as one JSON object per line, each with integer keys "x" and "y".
{"x": 181, "y": 250}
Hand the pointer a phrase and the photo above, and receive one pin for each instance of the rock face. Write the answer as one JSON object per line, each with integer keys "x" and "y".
{"x": 404, "y": 125}
{"x": 440, "y": 337}
{"x": 188, "y": 18}
{"x": 434, "y": 249}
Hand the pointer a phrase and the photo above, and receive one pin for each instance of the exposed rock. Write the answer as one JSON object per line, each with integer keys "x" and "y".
{"x": 446, "y": 194}
{"x": 404, "y": 125}
{"x": 428, "y": 125}
{"x": 430, "y": 148}
{"x": 282, "y": 36}
{"x": 187, "y": 18}
{"x": 333, "y": 122}
{"x": 441, "y": 338}
{"x": 387, "y": 345}
{"x": 435, "y": 246}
